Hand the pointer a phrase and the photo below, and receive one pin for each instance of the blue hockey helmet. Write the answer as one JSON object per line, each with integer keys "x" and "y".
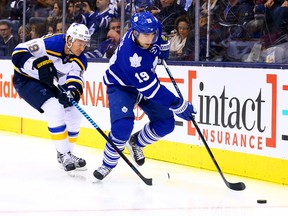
{"x": 145, "y": 22}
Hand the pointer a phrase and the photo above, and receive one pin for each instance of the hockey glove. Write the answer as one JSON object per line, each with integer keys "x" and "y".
{"x": 65, "y": 98}
{"x": 183, "y": 109}
{"x": 164, "y": 48}
{"x": 46, "y": 70}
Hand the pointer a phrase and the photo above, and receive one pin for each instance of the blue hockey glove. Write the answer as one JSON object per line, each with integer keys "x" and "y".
{"x": 164, "y": 48}
{"x": 183, "y": 109}
{"x": 46, "y": 70}
{"x": 65, "y": 98}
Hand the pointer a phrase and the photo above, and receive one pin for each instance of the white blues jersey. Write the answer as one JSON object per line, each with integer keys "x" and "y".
{"x": 133, "y": 66}
{"x": 70, "y": 68}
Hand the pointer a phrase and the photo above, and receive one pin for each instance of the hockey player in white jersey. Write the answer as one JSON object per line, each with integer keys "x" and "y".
{"x": 37, "y": 63}
{"x": 131, "y": 79}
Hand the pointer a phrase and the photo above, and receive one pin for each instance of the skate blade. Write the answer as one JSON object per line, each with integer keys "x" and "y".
{"x": 71, "y": 173}
{"x": 77, "y": 169}
{"x": 81, "y": 168}
{"x": 97, "y": 181}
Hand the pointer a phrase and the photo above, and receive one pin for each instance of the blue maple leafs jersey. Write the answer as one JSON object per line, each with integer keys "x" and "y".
{"x": 100, "y": 20}
{"x": 133, "y": 66}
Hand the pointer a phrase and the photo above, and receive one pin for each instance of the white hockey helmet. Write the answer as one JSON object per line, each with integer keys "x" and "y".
{"x": 78, "y": 31}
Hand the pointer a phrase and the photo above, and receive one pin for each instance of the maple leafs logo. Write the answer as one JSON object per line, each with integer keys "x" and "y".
{"x": 135, "y": 60}
{"x": 124, "y": 109}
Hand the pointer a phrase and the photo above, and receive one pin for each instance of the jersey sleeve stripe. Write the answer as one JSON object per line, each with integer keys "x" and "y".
{"x": 75, "y": 81}
{"x": 79, "y": 63}
{"x": 106, "y": 81}
{"x": 148, "y": 86}
{"x": 154, "y": 92}
{"x": 19, "y": 50}
{"x": 21, "y": 72}
{"x": 116, "y": 78}
{"x": 50, "y": 52}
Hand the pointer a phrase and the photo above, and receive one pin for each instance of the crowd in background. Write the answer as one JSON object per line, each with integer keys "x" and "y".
{"x": 229, "y": 30}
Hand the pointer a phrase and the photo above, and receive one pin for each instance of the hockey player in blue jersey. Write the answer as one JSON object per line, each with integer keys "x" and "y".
{"x": 130, "y": 80}
{"x": 37, "y": 63}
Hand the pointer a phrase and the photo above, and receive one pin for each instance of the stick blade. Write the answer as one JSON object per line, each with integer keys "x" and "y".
{"x": 239, "y": 186}
{"x": 148, "y": 181}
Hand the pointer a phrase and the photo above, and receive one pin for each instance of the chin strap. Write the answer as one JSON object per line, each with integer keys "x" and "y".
{"x": 71, "y": 40}
{"x": 69, "y": 48}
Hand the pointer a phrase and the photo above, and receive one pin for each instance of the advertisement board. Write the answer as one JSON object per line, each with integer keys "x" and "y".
{"x": 239, "y": 110}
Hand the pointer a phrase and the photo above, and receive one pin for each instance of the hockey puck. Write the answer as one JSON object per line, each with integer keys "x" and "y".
{"x": 168, "y": 175}
{"x": 261, "y": 201}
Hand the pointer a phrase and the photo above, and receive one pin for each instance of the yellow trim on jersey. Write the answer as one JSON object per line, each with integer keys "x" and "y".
{"x": 60, "y": 136}
{"x": 19, "y": 51}
{"x": 50, "y": 35}
{"x": 75, "y": 81}
{"x": 17, "y": 70}
{"x": 54, "y": 53}
{"x": 79, "y": 62}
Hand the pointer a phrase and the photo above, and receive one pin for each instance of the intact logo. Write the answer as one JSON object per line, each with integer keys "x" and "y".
{"x": 227, "y": 118}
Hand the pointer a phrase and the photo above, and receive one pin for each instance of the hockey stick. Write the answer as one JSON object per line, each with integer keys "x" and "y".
{"x": 233, "y": 186}
{"x": 147, "y": 181}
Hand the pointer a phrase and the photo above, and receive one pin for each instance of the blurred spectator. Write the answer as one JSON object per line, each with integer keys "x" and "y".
{"x": 41, "y": 9}
{"x": 188, "y": 51}
{"x": 279, "y": 28}
{"x": 115, "y": 6}
{"x": 8, "y": 42}
{"x": 78, "y": 12}
{"x": 106, "y": 48}
{"x": 269, "y": 13}
{"x": 178, "y": 41}
{"x": 167, "y": 13}
{"x": 101, "y": 20}
{"x": 204, "y": 6}
{"x": 14, "y": 8}
{"x": 70, "y": 11}
{"x": 51, "y": 28}
{"x": 59, "y": 27}
{"x": 2, "y": 47}
{"x": 4, "y": 14}
{"x": 237, "y": 14}
{"x": 51, "y": 3}
{"x": 38, "y": 30}
{"x": 56, "y": 13}
{"x": 280, "y": 18}
{"x": 88, "y": 12}
{"x": 139, "y": 6}
{"x": 27, "y": 33}
{"x": 191, "y": 13}
{"x": 270, "y": 3}
{"x": 74, "y": 12}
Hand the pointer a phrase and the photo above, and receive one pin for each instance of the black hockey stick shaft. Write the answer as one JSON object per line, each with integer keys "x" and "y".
{"x": 147, "y": 181}
{"x": 234, "y": 186}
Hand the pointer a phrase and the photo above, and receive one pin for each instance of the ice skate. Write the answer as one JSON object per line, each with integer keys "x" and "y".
{"x": 66, "y": 161}
{"x": 102, "y": 172}
{"x": 135, "y": 151}
{"x": 80, "y": 163}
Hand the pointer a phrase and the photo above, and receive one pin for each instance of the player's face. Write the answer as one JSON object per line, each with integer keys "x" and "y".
{"x": 145, "y": 40}
{"x": 78, "y": 46}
